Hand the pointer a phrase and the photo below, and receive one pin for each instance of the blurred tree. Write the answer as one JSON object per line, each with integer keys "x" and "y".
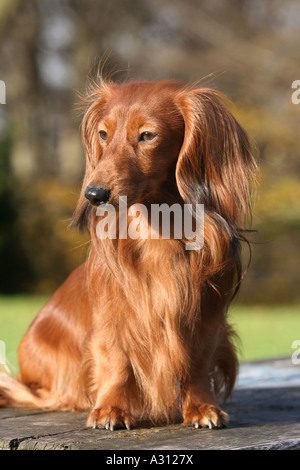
{"x": 15, "y": 269}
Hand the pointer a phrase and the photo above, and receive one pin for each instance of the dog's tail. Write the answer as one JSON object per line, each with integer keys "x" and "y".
{"x": 61, "y": 396}
{"x": 14, "y": 393}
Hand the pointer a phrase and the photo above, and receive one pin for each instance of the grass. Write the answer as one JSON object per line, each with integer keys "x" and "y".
{"x": 264, "y": 331}
{"x": 16, "y": 314}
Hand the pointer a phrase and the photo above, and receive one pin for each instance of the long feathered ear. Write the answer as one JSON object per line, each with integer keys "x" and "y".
{"x": 215, "y": 166}
{"x": 94, "y": 104}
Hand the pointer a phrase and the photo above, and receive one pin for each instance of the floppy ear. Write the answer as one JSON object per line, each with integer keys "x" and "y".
{"x": 215, "y": 165}
{"x": 94, "y": 105}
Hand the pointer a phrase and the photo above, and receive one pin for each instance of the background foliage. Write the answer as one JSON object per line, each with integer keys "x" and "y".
{"x": 249, "y": 49}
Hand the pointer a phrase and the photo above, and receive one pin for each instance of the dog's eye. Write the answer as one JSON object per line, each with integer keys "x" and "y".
{"x": 103, "y": 135}
{"x": 147, "y": 136}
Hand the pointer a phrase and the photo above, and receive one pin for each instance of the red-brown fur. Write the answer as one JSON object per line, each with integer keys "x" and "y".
{"x": 140, "y": 330}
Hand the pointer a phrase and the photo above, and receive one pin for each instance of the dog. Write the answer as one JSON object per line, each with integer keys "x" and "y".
{"x": 140, "y": 330}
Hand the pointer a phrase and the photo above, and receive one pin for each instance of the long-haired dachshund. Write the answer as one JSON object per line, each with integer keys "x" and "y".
{"x": 140, "y": 330}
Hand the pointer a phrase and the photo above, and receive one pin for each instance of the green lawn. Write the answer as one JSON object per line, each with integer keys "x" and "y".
{"x": 265, "y": 331}
{"x": 16, "y": 314}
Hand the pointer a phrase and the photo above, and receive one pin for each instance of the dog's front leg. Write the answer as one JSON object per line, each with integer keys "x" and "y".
{"x": 112, "y": 386}
{"x": 199, "y": 406}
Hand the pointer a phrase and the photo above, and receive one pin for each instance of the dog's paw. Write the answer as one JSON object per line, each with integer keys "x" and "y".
{"x": 110, "y": 417}
{"x": 206, "y": 416}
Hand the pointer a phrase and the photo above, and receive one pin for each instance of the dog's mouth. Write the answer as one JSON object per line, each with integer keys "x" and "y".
{"x": 83, "y": 221}
{"x": 96, "y": 198}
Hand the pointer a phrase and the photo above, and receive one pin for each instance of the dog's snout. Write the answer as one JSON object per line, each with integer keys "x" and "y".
{"x": 97, "y": 195}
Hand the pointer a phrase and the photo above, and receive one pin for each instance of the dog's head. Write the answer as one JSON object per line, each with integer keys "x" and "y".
{"x": 158, "y": 141}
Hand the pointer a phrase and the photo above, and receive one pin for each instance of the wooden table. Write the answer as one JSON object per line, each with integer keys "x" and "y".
{"x": 264, "y": 411}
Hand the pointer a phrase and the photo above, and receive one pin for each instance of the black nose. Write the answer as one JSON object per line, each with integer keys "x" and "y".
{"x": 97, "y": 195}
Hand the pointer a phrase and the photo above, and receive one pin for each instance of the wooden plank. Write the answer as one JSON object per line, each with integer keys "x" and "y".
{"x": 264, "y": 411}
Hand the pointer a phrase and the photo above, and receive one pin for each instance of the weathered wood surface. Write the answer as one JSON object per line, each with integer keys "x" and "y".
{"x": 265, "y": 414}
